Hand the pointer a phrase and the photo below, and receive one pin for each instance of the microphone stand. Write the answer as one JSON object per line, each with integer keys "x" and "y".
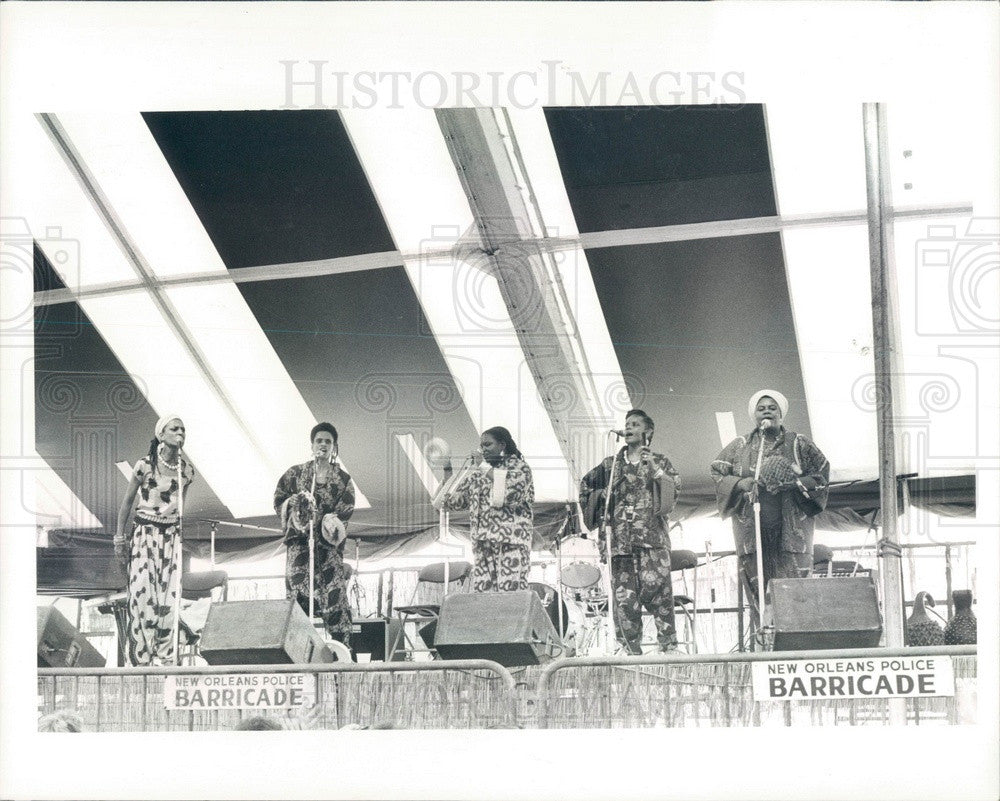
{"x": 444, "y": 518}
{"x": 312, "y": 548}
{"x": 711, "y": 591}
{"x": 606, "y": 528}
{"x": 758, "y": 541}
{"x": 178, "y": 563}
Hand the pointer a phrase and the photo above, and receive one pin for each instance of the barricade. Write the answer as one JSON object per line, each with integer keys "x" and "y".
{"x": 656, "y": 690}
{"x": 660, "y": 690}
{"x": 470, "y": 693}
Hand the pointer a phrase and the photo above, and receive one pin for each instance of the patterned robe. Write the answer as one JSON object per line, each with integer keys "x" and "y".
{"x": 152, "y": 566}
{"x": 334, "y": 496}
{"x": 501, "y": 532}
{"x": 640, "y": 542}
{"x": 786, "y": 514}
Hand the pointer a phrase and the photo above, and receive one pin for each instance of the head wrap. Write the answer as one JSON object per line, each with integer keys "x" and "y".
{"x": 780, "y": 399}
{"x": 162, "y": 424}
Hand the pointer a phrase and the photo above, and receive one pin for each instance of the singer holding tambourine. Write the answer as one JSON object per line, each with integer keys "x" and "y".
{"x": 791, "y": 487}
{"x": 150, "y": 553}
{"x": 496, "y": 486}
{"x": 317, "y": 497}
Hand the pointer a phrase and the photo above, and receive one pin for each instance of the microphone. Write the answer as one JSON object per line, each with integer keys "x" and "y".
{"x": 618, "y": 432}
{"x": 766, "y": 424}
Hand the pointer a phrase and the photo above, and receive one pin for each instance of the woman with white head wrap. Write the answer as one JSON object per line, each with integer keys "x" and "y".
{"x": 159, "y": 481}
{"x": 792, "y": 489}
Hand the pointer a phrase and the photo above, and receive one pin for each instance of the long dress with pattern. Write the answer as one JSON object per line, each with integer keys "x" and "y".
{"x": 787, "y": 508}
{"x": 501, "y": 522}
{"x": 152, "y": 566}
{"x": 335, "y": 496}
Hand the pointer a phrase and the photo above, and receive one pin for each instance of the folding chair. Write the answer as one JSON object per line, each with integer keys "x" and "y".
{"x": 687, "y": 601}
{"x": 197, "y": 587}
{"x": 434, "y": 581}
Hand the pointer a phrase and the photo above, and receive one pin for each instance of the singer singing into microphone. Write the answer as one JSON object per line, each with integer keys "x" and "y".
{"x": 499, "y": 492}
{"x": 318, "y": 493}
{"x": 149, "y": 553}
{"x": 792, "y": 489}
{"x": 645, "y": 489}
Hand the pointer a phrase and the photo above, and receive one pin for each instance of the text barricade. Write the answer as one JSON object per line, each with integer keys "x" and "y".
{"x": 878, "y": 677}
{"x": 240, "y": 691}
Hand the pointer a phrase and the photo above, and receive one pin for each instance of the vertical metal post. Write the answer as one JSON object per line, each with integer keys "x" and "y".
{"x": 381, "y": 586}
{"x": 947, "y": 579}
{"x": 885, "y": 340}
{"x": 740, "y": 634}
{"x": 388, "y": 595}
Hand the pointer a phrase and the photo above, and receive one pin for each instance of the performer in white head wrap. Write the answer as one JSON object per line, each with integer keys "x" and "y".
{"x": 792, "y": 489}
{"x": 149, "y": 554}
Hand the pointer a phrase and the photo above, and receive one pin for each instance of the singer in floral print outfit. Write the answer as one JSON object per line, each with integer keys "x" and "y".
{"x": 793, "y": 488}
{"x": 644, "y": 491}
{"x": 318, "y": 491}
{"x": 149, "y": 554}
{"x": 499, "y": 493}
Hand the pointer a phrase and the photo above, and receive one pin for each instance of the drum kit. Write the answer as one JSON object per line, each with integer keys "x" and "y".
{"x": 578, "y": 609}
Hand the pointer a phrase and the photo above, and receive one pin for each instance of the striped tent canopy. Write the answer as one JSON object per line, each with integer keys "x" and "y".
{"x": 409, "y": 274}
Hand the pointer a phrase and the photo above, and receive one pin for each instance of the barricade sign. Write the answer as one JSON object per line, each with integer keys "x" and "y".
{"x": 240, "y": 691}
{"x": 878, "y": 677}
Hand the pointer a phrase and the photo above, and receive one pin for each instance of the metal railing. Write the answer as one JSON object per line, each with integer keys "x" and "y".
{"x": 716, "y": 690}
{"x": 464, "y": 693}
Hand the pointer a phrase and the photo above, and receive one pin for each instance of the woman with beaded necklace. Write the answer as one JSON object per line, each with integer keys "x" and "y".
{"x": 149, "y": 553}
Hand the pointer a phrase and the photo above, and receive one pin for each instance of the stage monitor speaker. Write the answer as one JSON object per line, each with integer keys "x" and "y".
{"x": 61, "y": 645}
{"x": 821, "y": 613}
{"x": 507, "y": 627}
{"x": 261, "y": 633}
{"x": 376, "y": 636}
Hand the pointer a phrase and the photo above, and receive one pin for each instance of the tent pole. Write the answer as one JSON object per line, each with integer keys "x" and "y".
{"x": 886, "y": 342}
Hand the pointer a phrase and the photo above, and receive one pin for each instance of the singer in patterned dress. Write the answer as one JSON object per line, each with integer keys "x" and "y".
{"x": 499, "y": 492}
{"x": 149, "y": 553}
{"x": 319, "y": 492}
{"x": 645, "y": 489}
{"x": 793, "y": 489}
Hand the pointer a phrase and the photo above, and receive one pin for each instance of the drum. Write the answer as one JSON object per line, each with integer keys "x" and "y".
{"x": 573, "y": 618}
{"x": 580, "y": 575}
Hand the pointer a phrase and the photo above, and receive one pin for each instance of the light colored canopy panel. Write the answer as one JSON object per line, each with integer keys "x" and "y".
{"x": 408, "y": 166}
{"x": 817, "y": 157}
{"x": 535, "y": 144}
{"x": 830, "y": 290}
{"x": 222, "y": 375}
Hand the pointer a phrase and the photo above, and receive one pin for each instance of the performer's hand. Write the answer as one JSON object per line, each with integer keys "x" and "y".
{"x": 476, "y": 458}
{"x": 808, "y": 483}
{"x": 745, "y": 484}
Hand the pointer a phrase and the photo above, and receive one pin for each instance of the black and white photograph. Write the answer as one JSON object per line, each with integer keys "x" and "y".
{"x": 548, "y": 387}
